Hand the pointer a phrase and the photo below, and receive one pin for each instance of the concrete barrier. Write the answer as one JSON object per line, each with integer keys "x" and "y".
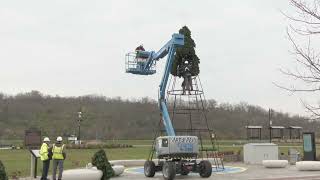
{"x": 130, "y": 163}
{"x": 275, "y": 163}
{"x": 118, "y": 169}
{"x": 308, "y": 165}
{"x": 82, "y": 174}
{"x": 89, "y": 173}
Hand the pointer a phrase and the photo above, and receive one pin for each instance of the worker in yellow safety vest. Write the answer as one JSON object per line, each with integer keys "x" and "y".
{"x": 58, "y": 157}
{"x": 45, "y": 157}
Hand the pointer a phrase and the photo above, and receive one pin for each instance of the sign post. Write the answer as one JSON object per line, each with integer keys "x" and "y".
{"x": 32, "y": 141}
{"x": 35, "y": 154}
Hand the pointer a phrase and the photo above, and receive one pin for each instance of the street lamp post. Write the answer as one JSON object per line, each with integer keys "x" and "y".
{"x": 79, "y": 125}
{"x": 270, "y": 124}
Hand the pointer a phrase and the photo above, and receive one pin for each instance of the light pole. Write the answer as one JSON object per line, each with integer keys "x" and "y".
{"x": 270, "y": 124}
{"x": 79, "y": 125}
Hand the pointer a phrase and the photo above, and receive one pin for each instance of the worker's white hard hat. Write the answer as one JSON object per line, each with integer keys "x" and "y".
{"x": 59, "y": 138}
{"x": 46, "y": 139}
{"x": 186, "y": 62}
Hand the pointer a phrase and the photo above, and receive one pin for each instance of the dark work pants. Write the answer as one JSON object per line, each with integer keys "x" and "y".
{"x": 45, "y": 169}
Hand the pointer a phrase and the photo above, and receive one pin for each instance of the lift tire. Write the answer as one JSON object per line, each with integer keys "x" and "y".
{"x": 149, "y": 169}
{"x": 169, "y": 170}
{"x": 184, "y": 171}
{"x": 205, "y": 169}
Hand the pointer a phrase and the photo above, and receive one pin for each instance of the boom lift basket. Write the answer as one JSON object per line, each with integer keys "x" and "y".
{"x": 136, "y": 63}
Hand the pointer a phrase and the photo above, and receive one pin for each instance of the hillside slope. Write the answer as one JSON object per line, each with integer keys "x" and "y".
{"x": 114, "y": 118}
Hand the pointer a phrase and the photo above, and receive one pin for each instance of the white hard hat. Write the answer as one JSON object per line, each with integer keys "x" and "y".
{"x": 186, "y": 62}
{"x": 46, "y": 139}
{"x": 59, "y": 138}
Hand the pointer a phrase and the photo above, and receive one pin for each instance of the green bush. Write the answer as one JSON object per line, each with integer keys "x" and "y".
{"x": 3, "y": 174}
{"x": 100, "y": 160}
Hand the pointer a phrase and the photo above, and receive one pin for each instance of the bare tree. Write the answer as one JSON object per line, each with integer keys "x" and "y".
{"x": 302, "y": 33}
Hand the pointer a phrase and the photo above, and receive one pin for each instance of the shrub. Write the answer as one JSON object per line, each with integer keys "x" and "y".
{"x": 3, "y": 174}
{"x": 100, "y": 160}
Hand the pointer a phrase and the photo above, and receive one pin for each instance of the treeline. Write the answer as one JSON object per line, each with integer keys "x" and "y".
{"x": 116, "y": 118}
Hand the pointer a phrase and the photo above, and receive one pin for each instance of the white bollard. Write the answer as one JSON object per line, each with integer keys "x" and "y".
{"x": 82, "y": 174}
{"x": 308, "y": 165}
{"x": 275, "y": 163}
{"x": 118, "y": 169}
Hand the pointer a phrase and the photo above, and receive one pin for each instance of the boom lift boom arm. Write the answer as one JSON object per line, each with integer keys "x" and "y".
{"x": 169, "y": 49}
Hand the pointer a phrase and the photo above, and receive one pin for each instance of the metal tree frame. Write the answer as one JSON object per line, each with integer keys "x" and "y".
{"x": 183, "y": 158}
{"x": 192, "y": 106}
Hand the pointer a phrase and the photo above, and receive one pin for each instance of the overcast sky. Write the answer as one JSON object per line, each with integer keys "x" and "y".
{"x": 77, "y": 47}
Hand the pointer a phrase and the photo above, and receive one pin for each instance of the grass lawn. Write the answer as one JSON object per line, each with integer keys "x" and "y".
{"x": 18, "y": 161}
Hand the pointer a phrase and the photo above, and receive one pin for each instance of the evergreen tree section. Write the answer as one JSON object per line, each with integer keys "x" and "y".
{"x": 187, "y": 52}
{"x": 100, "y": 160}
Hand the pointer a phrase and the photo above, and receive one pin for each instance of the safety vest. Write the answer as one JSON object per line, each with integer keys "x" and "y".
{"x": 44, "y": 152}
{"x": 57, "y": 152}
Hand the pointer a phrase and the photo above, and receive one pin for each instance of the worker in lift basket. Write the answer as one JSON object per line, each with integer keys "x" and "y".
{"x": 140, "y": 48}
{"x": 140, "y": 60}
{"x": 45, "y": 156}
{"x": 58, "y": 157}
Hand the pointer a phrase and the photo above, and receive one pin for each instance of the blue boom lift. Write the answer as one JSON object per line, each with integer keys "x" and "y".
{"x": 176, "y": 154}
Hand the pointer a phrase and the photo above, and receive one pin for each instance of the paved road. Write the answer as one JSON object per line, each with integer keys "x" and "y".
{"x": 252, "y": 173}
